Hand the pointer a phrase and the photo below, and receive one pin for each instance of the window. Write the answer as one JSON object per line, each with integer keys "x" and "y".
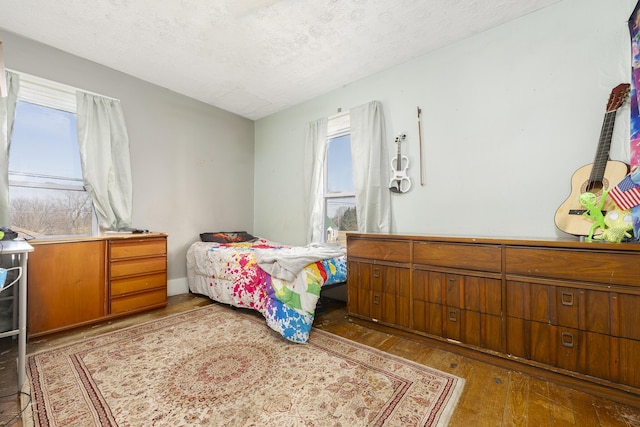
{"x": 46, "y": 193}
{"x": 339, "y": 192}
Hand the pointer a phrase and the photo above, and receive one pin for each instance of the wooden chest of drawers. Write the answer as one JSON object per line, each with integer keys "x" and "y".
{"x": 80, "y": 281}
{"x": 137, "y": 274}
{"x": 566, "y": 307}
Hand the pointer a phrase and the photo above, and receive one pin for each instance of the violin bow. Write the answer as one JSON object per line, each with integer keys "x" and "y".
{"x": 420, "y": 145}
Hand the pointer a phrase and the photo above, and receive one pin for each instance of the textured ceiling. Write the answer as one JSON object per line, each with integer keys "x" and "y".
{"x": 254, "y": 57}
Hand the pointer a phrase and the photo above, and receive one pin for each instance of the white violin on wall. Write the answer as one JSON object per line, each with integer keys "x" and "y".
{"x": 400, "y": 182}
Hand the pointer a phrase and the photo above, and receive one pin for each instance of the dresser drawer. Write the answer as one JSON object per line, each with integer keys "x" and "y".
{"x": 626, "y": 316}
{"x": 137, "y": 266}
{"x": 382, "y": 250}
{"x": 139, "y": 301}
{"x": 137, "y": 247}
{"x": 468, "y": 256}
{"x": 584, "y": 266}
{"x": 138, "y": 284}
{"x": 575, "y": 308}
{"x": 583, "y": 309}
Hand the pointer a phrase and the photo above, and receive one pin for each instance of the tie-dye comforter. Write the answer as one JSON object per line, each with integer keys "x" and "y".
{"x": 229, "y": 273}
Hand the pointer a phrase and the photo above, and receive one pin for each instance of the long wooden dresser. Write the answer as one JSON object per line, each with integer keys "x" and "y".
{"x": 79, "y": 281}
{"x": 556, "y": 308}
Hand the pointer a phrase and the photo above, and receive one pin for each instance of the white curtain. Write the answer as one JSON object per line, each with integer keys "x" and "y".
{"x": 104, "y": 155}
{"x": 315, "y": 149}
{"x": 370, "y": 171}
{"x": 370, "y": 157}
{"x": 7, "y": 114}
{"x": 3, "y": 77}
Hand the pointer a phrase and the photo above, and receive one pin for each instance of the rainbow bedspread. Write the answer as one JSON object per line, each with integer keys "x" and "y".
{"x": 229, "y": 273}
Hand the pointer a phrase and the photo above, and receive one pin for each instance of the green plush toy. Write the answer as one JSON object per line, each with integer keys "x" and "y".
{"x": 619, "y": 224}
{"x": 593, "y": 211}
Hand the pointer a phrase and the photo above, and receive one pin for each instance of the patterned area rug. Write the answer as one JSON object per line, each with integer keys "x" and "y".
{"x": 213, "y": 366}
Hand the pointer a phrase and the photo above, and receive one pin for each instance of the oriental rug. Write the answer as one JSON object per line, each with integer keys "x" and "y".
{"x": 214, "y": 366}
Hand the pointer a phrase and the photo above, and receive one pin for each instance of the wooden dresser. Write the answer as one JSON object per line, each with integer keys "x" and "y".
{"x": 79, "y": 281}
{"x": 559, "y": 308}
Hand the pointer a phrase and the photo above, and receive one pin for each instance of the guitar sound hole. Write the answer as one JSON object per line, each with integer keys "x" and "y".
{"x": 593, "y": 187}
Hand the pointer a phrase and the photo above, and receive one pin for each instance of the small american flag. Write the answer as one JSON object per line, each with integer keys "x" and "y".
{"x": 626, "y": 194}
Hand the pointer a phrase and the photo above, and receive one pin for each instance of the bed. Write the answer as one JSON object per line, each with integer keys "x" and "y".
{"x": 281, "y": 282}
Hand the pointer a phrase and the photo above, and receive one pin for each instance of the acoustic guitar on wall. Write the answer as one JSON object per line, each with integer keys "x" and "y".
{"x": 592, "y": 178}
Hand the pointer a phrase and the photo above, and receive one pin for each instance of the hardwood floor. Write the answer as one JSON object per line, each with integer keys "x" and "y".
{"x": 493, "y": 396}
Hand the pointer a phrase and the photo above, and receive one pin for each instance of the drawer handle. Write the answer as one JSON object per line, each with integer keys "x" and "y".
{"x": 376, "y": 272}
{"x": 453, "y": 315}
{"x": 567, "y": 339}
{"x": 376, "y": 298}
{"x": 567, "y": 298}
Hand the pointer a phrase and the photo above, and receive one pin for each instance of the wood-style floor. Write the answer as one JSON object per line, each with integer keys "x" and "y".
{"x": 492, "y": 396}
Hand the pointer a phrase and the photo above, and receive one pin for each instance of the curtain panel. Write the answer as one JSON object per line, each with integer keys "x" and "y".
{"x": 315, "y": 151}
{"x": 370, "y": 168}
{"x": 104, "y": 156}
{"x": 7, "y": 113}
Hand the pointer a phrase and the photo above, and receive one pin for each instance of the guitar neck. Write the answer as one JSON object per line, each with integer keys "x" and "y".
{"x": 604, "y": 145}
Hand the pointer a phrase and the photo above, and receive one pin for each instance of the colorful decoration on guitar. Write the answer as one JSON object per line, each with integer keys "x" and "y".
{"x": 400, "y": 182}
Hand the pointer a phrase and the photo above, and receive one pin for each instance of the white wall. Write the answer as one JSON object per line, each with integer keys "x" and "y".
{"x": 508, "y": 116}
{"x": 192, "y": 164}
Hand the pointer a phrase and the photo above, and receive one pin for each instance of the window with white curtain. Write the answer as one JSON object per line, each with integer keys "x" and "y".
{"x": 46, "y": 192}
{"x": 339, "y": 192}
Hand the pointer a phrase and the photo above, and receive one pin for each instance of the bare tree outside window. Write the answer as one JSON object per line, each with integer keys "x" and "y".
{"x": 41, "y": 213}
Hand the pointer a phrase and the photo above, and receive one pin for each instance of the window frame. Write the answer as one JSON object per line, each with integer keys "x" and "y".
{"x": 338, "y": 126}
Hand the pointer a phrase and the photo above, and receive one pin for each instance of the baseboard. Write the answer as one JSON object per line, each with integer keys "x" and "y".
{"x": 177, "y": 286}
